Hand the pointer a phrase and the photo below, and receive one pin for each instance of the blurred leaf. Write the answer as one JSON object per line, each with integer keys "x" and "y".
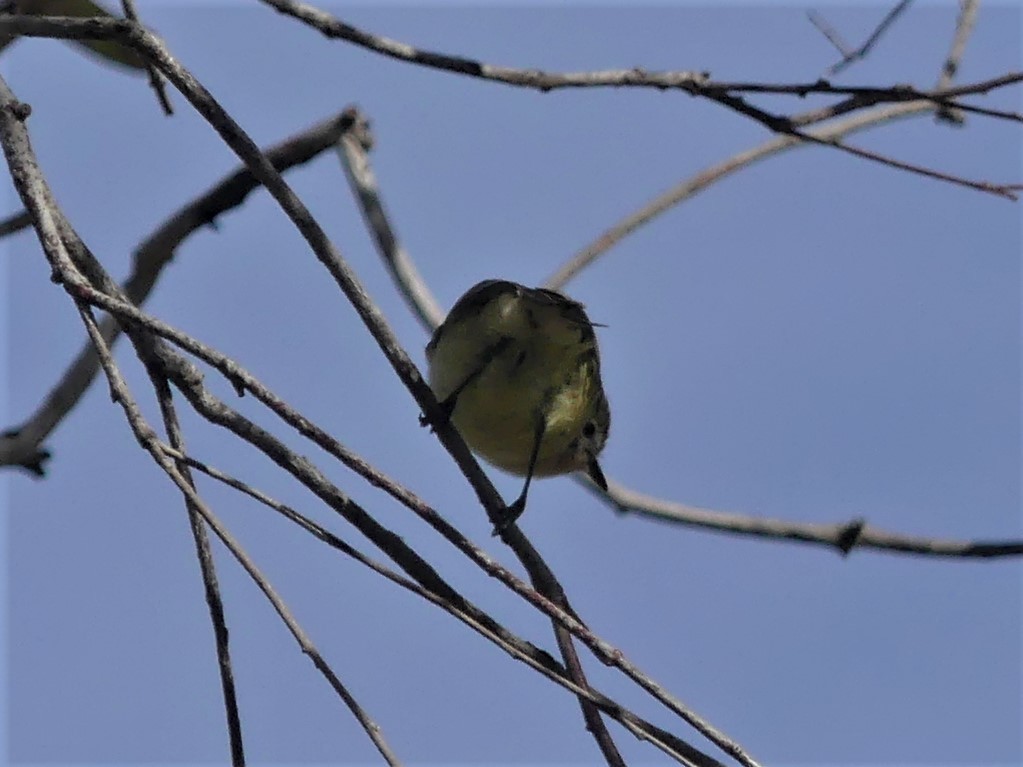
{"x": 108, "y": 51}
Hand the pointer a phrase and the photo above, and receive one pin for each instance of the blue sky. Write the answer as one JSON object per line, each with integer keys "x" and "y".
{"x": 816, "y": 338}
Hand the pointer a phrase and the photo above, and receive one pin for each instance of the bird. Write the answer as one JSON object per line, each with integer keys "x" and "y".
{"x": 517, "y": 372}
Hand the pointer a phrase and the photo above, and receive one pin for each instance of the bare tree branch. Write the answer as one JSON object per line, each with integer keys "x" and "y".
{"x": 537, "y": 659}
{"x": 697, "y": 84}
{"x": 186, "y": 379}
{"x": 21, "y": 445}
{"x": 169, "y": 366}
{"x": 844, "y": 537}
{"x": 217, "y": 412}
{"x": 59, "y": 242}
{"x": 637, "y": 726}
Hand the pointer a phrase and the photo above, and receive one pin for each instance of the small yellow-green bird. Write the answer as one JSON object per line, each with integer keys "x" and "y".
{"x": 518, "y": 372}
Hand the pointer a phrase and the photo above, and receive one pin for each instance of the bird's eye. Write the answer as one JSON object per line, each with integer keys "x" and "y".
{"x": 589, "y": 429}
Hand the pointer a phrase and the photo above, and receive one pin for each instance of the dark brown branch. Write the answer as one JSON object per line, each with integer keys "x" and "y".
{"x": 860, "y": 97}
{"x": 691, "y": 82}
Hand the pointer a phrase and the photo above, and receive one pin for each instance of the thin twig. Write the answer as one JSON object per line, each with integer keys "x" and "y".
{"x": 1007, "y": 191}
{"x": 833, "y": 36}
{"x": 851, "y": 55}
{"x": 332, "y": 27}
{"x": 353, "y": 151}
{"x": 155, "y": 81}
{"x": 207, "y": 567}
{"x": 843, "y": 537}
{"x": 860, "y": 97}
